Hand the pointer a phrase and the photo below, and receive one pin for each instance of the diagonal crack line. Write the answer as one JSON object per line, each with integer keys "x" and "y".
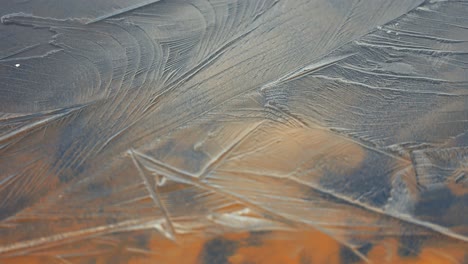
{"x": 223, "y": 155}
{"x": 121, "y": 11}
{"x": 322, "y": 62}
{"x": 150, "y": 186}
{"x": 181, "y": 176}
{"x": 49, "y": 117}
{"x": 430, "y": 226}
{"x": 72, "y": 236}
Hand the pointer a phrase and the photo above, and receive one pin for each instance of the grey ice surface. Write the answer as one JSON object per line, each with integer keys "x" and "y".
{"x": 196, "y": 115}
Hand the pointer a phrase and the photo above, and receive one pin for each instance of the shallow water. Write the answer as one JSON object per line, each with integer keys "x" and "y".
{"x": 196, "y": 131}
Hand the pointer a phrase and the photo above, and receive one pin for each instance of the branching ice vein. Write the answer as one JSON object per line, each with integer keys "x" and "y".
{"x": 68, "y": 237}
{"x": 224, "y": 154}
{"x": 43, "y": 122}
{"x": 122, "y": 11}
{"x": 180, "y": 176}
{"x": 151, "y": 186}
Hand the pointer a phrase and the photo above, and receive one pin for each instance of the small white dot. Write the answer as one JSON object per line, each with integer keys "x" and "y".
{"x": 389, "y": 31}
{"x": 17, "y": 65}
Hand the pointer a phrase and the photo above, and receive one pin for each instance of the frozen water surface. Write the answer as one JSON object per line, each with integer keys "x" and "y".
{"x": 239, "y": 131}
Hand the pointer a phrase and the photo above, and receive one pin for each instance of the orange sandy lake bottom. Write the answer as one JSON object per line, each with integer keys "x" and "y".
{"x": 272, "y": 247}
